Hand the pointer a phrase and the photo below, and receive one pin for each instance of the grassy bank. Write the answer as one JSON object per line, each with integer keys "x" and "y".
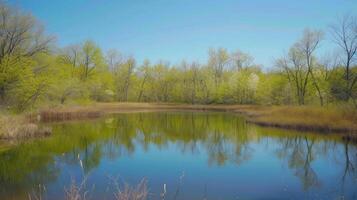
{"x": 24, "y": 126}
{"x": 304, "y": 118}
{"x": 18, "y": 127}
{"x": 66, "y": 113}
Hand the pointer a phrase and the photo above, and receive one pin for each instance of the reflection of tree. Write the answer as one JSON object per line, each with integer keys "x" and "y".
{"x": 299, "y": 153}
{"x": 224, "y": 138}
{"x": 350, "y": 163}
{"x": 91, "y": 156}
{"x": 27, "y": 165}
{"x": 217, "y": 148}
{"x": 124, "y": 134}
{"x": 15, "y": 166}
{"x": 221, "y": 149}
{"x": 307, "y": 175}
{"x": 221, "y": 136}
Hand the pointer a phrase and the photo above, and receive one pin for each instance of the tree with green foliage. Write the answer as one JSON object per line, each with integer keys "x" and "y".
{"x": 35, "y": 72}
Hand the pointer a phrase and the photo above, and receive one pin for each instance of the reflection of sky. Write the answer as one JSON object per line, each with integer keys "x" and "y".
{"x": 251, "y": 163}
{"x": 262, "y": 175}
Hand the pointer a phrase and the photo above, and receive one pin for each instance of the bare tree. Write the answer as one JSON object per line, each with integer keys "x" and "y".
{"x": 299, "y": 65}
{"x": 296, "y": 71}
{"x": 114, "y": 58}
{"x": 345, "y": 36}
{"x": 308, "y": 45}
{"x": 240, "y": 60}
{"x": 20, "y": 34}
{"x": 218, "y": 60}
{"x": 71, "y": 55}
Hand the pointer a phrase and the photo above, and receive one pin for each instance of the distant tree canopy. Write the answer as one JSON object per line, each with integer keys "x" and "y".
{"x": 33, "y": 71}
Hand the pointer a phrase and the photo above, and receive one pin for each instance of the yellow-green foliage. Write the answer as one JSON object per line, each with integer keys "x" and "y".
{"x": 32, "y": 74}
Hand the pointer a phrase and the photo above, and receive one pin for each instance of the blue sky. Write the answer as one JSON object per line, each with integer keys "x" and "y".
{"x": 173, "y": 30}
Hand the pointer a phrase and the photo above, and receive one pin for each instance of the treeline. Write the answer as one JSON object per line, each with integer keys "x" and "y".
{"x": 34, "y": 71}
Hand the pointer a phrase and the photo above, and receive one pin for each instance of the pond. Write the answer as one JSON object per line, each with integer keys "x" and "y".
{"x": 193, "y": 155}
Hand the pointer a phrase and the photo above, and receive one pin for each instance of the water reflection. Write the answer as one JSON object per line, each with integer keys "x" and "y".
{"x": 217, "y": 139}
{"x": 299, "y": 154}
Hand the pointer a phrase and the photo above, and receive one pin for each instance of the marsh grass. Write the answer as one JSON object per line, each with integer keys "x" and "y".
{"x": 323, "y": 119}
{"x": 77, "y": 191}
{"x": 121, "y": 190}
{"x": 64, "y": 114}
{"x": 338, "y": 118}
{"x": 304, "y": 118}
{"x": 128, "y": 192}
{"x": 38, "y": 193}
{"x": 17, "y": 128}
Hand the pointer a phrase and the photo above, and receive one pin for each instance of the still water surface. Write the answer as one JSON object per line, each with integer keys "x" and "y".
{"x": 196, "y": 155}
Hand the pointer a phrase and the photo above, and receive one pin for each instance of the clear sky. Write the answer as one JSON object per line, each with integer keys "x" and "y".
{"x": 173, "y": 30}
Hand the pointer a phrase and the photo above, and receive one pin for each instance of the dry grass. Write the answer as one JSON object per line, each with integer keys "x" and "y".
{"x": 76, "y": 191}
{"x": 37, "y": 193}
{"x": 139, "y": 107}
{"x": 307, "y": 118}
{"x": 322, "y": 119}
{"x": 138, "y": 192}
{"x": 66, "y": 113}
{"x": 17, "y": 127}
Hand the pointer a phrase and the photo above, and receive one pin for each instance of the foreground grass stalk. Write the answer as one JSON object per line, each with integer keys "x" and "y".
{"x": 138, "y": 192}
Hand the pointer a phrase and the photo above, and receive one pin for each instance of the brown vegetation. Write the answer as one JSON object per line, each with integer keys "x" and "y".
{"x": 17, "y": 127}
{"x": 76, "y": 191}
{"x": 138, "y": 192}
{"x": 66, "y": 113}
{"x": 306, "y": 118}
{"x": 321, "y": 119}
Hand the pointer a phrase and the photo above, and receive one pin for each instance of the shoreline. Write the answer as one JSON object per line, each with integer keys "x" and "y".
{"x": 301, "y": 118}
{"x": 316, "y": 119}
